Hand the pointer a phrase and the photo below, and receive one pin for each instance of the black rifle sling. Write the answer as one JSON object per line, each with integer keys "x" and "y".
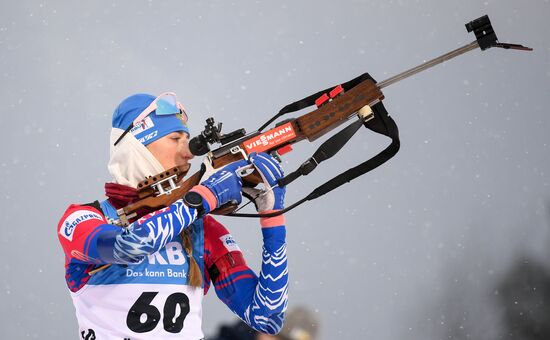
{"x": 382, "y": 123}
{"x": 328, "y": 149}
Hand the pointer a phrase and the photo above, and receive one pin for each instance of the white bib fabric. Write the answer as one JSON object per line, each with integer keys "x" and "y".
{"x": 142, "y": 311}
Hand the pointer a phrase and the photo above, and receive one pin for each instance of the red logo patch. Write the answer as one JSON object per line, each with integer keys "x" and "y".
{"x": 270, "y": 139}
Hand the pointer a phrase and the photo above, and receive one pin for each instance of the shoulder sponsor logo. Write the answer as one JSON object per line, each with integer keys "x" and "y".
{"x": 270, "y": 139}
{"x": 145, "y": 124}
{"x": 71, "y": 222}
{"x": 229, "y": 243}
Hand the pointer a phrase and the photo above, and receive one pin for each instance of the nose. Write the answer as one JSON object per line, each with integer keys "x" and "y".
{"x": 184, "y": 150}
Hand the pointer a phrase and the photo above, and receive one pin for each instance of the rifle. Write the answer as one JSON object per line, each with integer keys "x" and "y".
{"x": 359, "y": 99}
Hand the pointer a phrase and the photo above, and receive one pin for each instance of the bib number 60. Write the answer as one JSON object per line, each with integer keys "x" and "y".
{"x": 143, "y": 307}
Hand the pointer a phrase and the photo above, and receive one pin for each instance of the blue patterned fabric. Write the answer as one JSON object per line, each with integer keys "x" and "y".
{"x": 260, "y": 301}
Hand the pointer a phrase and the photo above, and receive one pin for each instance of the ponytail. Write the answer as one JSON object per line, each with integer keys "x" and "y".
{"x": 195, "y": 275}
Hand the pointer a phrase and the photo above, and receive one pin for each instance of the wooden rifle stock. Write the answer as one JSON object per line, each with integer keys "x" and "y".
{"x": 329, "y": 116}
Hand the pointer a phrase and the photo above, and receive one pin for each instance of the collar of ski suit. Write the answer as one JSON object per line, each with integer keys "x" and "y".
{"x": 130, "y": 161}
{"x": 122, "y": 195}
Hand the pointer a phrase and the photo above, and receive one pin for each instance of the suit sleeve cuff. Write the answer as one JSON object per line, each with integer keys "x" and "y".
{"x": 207, "y": 195}
{"x": 269, "y": 222}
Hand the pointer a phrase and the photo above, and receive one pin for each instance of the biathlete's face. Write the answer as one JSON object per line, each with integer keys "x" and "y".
{"x": 171, "y": 150}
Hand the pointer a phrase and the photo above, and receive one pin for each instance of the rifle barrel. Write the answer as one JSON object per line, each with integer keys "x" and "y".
{"x": 428, "y": 64}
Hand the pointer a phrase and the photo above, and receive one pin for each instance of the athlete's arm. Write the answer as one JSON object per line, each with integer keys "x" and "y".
{"x": 259, "y": 301}
{"x": 86, "y": 237}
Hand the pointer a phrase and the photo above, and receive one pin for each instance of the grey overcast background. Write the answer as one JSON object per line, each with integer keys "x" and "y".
{"x": 449, "y": 240}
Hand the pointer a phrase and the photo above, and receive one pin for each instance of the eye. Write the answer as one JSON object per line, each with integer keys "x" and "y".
{"x": 176, "y": 137}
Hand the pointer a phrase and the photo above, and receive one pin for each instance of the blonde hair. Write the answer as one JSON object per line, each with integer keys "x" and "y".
{"x": 195, "y": 275}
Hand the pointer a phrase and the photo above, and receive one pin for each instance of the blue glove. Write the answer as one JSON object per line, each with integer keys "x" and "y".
{"x": 271, "y": 171}
{"x": 225, "y": 185}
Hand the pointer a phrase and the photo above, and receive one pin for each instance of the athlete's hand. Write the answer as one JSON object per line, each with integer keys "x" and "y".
{"x": 272, "y": 197}
{"x": 224, "y": 185}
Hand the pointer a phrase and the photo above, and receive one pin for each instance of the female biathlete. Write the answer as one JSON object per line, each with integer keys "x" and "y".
{"x": 164, "y": 261}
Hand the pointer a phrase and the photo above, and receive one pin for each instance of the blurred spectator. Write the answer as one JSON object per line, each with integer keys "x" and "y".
{"x": 300, "y": 324}
{"x": 524, "y": 296}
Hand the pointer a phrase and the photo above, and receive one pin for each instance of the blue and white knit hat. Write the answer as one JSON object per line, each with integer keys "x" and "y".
{"x": 153, "y": 126}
